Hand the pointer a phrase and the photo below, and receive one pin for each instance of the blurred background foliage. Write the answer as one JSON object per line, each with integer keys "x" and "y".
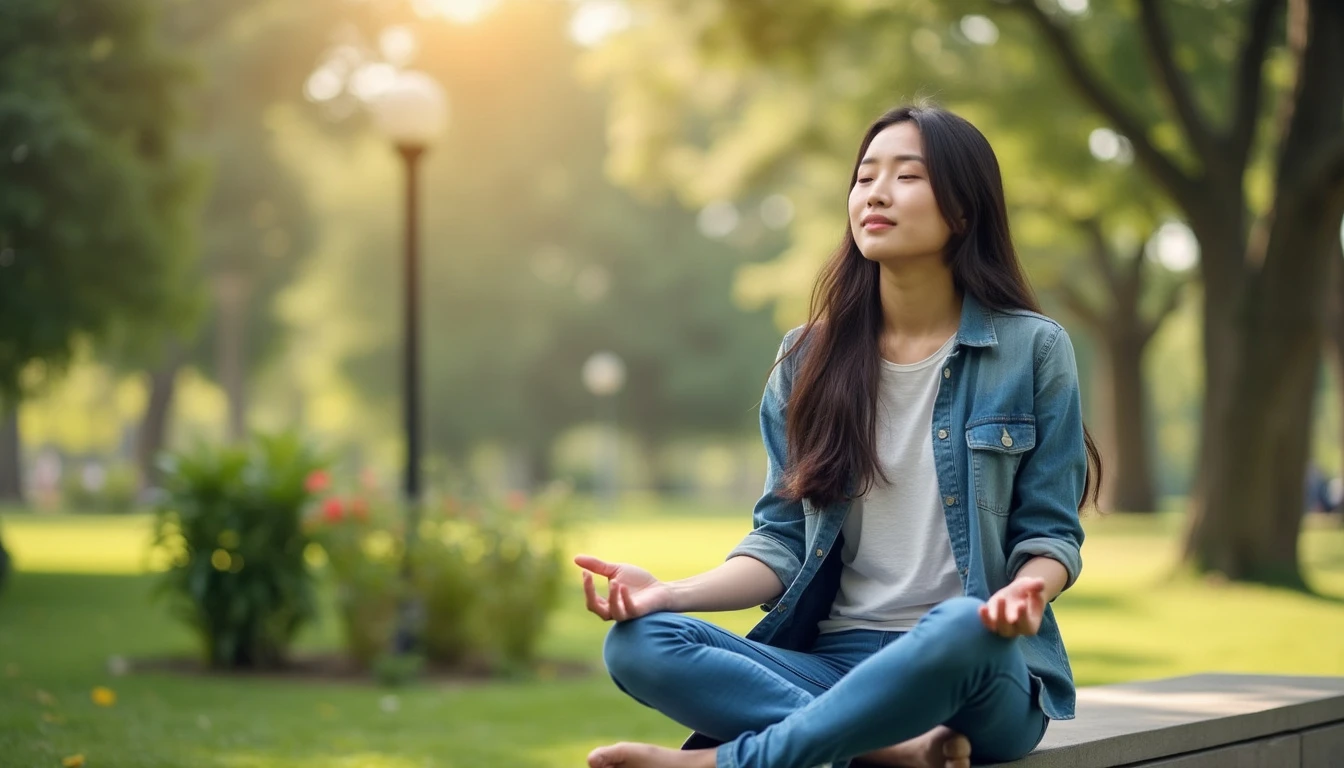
{"x": 219, "y": 253}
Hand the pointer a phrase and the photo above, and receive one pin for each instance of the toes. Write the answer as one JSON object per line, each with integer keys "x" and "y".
{"x": 957, "y": 748}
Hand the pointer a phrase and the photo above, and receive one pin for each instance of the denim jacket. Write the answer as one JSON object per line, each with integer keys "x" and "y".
{"x": 1011, "y": 464}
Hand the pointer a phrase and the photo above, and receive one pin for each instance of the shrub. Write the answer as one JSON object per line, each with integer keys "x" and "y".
{"x": 231, "y": 523}
{"x": 364, "y": 558}
{"x": 519, "y": 571}
{"x": 487, "y": 576}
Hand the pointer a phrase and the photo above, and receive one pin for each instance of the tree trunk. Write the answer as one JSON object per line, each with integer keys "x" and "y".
{"x": 1130, "y": 475}
{"x": 154, "y": 427}
{"x": 11, "y": 472}
{"x": 231, "y": 294}
{"x": 1335, "y": 334}
{"x": 1246, "y": 520}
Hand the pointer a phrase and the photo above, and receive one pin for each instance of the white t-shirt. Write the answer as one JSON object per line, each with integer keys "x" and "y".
{"x": 897, "y": 556}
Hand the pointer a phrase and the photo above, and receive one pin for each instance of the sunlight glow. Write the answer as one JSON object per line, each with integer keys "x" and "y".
{"x": 1108, "y": 146}
{"x": 1174, "y": 246}
{"x": 596, "y": 20}
{"x": 460, "y": 11}
{"x": 398, "y": 45}
{"x": 979, "y": 30}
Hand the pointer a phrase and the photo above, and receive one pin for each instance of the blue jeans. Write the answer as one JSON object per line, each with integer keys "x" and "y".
{"x": 854, "y": 692}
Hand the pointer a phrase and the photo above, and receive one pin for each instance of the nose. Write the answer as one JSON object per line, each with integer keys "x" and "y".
{"x": 877, "y": 196}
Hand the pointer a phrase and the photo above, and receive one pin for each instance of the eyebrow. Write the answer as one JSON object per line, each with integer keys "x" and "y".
{"x": 898, "y": 158}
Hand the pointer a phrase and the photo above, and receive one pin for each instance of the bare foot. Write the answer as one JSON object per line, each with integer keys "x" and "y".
{"x": 941, "y": 747}
{"x": 629, "y": 755}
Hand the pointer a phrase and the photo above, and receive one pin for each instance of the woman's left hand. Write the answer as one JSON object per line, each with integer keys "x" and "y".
{"x": 1016, "y": 609}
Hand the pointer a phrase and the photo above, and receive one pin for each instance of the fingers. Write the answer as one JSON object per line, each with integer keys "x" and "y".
{"x": 618, "y": 600}
{"x": 628, "y": 602}
{"x": 600, "y": 567}
{"x": 595, "y": 604}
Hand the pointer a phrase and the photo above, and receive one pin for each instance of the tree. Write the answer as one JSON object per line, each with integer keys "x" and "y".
{"x": 1124, "y": 329}
{"x": 94, "y": 228}
{"x": 254, "y": 225}
{"x": 1265, "y": 280}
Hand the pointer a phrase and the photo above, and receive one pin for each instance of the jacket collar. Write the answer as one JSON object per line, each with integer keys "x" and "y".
{"x": 977, "y": 324}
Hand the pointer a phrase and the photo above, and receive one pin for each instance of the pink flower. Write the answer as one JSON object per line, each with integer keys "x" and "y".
{"x": 318, "y": 481}
{"x": 515, "y": 501}
{"x": 332, "y": 510}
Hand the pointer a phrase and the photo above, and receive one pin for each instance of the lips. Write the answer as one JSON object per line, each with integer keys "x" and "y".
{"x": 873, "y": 222}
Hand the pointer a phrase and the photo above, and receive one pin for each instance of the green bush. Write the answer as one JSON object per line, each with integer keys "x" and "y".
{"x": 519, "y": 582}
{"x": 364, "y": 559}
{"x": 487, "y": 576}
{"x": 232, "y": 524}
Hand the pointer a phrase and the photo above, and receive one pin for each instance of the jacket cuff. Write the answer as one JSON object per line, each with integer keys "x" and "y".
{"x": 1063, "y": 552}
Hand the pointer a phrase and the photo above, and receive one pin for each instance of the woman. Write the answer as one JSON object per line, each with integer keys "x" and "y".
{"x": 927, "y": 464}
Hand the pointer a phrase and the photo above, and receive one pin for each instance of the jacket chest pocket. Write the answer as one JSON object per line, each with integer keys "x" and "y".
{"x": 996, "y": 448}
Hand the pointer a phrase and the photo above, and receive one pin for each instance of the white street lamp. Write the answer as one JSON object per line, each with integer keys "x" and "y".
{"x": 411, "y": 112}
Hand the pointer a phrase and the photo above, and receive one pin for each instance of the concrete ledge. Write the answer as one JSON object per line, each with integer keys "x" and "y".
{"x": 1201, "y": 721}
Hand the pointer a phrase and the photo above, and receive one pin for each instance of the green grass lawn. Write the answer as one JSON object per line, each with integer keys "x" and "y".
{"x": 81, "y": 596}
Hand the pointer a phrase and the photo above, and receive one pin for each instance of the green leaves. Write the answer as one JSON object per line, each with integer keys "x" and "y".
{"x": 93, "y": 209}
{"x": 231, "y": 524}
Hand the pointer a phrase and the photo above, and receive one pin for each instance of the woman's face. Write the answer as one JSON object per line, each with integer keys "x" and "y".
{"x": 892, "y": 211}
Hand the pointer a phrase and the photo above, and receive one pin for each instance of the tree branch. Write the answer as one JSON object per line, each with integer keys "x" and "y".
{"x": 1081, "y": 309}
{"x": 1250, "y": 79}
{"x": 1177, "y": 183}
{"x": 1100, "y": 253}
{"x": 1157, "y": 40}
{"x": 1170, "y": 302}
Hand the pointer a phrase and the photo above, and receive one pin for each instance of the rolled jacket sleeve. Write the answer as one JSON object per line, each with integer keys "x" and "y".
{"x": 1043, "y": 521}
{"x": 778, "y": 528}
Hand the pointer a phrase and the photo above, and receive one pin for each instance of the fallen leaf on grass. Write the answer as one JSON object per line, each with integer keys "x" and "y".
{"x": 103, "y": 697}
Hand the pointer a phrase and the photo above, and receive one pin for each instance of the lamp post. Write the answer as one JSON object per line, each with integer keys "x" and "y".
{"x": 604, "y": 376}
{"x": 411, "y": 113}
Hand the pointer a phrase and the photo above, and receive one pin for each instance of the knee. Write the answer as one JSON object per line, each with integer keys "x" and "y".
{"x": 634, "y": 650}
{"x": 963, "y": 637}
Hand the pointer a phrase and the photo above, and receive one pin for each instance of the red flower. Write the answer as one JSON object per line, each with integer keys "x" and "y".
{"x": 332, "y": 510}
{"x": 516, "y": 500}
{"x": 318, "y": 481}
{"x": 359, "y": 509}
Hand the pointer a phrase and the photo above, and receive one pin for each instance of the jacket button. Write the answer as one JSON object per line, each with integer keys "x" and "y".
{"x": 950, "y": 500}
{"x": 820, "y": 552}
{"x": 942, "y": 434}
{"x": 1007, "y": 439}
{"x": 947, "y": 373}
{"x": 782, "y": 607}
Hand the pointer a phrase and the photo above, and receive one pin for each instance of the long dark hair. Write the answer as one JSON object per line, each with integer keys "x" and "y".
{"x": 832, "y": 425}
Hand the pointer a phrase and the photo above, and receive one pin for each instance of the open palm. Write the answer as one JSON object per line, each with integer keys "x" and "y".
{"x": 631, "y": 591}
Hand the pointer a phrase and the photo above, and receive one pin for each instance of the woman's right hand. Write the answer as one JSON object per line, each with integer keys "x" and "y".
{"x": 631, "y": 591}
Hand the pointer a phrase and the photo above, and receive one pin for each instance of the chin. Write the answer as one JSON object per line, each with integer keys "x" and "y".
{"x": 884, "y": 255}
